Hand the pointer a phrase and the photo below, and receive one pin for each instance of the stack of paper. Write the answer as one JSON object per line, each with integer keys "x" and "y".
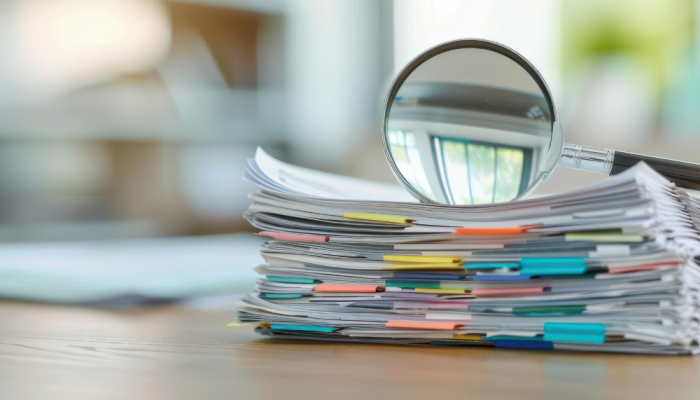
{"x": 607, "y": 268}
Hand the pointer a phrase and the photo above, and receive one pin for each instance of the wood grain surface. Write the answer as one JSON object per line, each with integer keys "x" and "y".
{"x": 61, "y": 352}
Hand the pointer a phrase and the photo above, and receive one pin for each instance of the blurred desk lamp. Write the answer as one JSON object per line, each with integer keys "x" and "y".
{"x": 473, "y": 122}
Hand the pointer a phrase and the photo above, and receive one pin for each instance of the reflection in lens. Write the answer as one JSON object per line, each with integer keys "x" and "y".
{"x": 407, "y": 159}
{"x": 480, "y": 173}
{"x": 469, "y": 126}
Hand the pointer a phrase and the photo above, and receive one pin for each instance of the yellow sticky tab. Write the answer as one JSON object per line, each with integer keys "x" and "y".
{"x": 467, "y": 337}
{"x": 440, "y": 291}
{"x": 425, "y": 266}
{"x": 399, "y": 219}
{"x": 234, "y": 324}
{"x": 603, "y": 237}
{"x": 423, "y": 259}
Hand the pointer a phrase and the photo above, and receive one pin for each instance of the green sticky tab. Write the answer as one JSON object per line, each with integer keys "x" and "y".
{"x": 306, "y": 328}
{"x": 280, "y": 295}
{"x": 575, "y": 338}
{"x": 491, "y": 265}
{"x": 549, "y": 310}
{"x": 603, "y": 237}
{"x": 574, "y": 328}
{"x": 412, "y": 284}
{"x": 287, "y": 279}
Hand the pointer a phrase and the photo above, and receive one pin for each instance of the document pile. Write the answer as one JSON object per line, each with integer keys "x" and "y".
{"x": 607, "y": 268}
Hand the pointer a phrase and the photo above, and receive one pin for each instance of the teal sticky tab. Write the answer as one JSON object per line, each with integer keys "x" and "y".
{"x": 552, "y": 261}
{"x": 491, "y": 265}
{"x": 307, "y": 328}
{"x": 287, "y": 279}
{"x": 280, "y": 295}
{"x": 554, "y": 270}
{"x": 574, "y": 338}
{"x": 505, "y": 337}
{"x": 574, "y": 328}
{"x": 412, "y": 284}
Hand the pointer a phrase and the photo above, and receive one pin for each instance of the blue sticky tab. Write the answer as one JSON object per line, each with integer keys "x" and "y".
{"x": 524, "y": 344}
{"x": 308, "y": 328}
{"x": 554, "y": 270}
{"x": 575, "y": 338}
{"x": 574, "y": 328}
{"x": 501, "y": 277}
{"x": 552, "y": 261}
{"x": 440, "y": 277}
{"x": 506, "y": 337}
{"x": 491, "y": 265}
{"x": 287, "y": 279}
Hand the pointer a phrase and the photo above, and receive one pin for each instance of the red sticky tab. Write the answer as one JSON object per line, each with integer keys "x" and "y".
{"x": 521, "y": 291}
{"x": 343, "y": 288}
{"x": 489, "y": 231}
{"x": 294, "y": 237}
{"x": 437, "y": 326}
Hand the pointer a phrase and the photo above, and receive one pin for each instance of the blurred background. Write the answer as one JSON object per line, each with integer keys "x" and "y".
{"x": 123, "y": 119}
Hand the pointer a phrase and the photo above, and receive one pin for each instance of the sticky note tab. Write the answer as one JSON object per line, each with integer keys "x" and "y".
{"x": 564, "y": 270}
{"x": 412, "y": 284}
{"x": 491, "y": 265}
{"x": 307, "y": 328}
{"x": 346, "y": 288}
{"x": 524, "y": 344}
{"x": 552, "y": 261}
{"x": 428, "y": 276}
{"x": 603, "y": 237}
{"x": 438, "y": 326}
{"x": 289, "y": 279}
{"x": 552, "y": 266}
{"x": 424, "y": 266}
{"x": 517, "y": 291}
{"x": 574, "y": 338}
{"x": 467, "y": 337}
{"x": 293, "y": 237}
{"x": 564, "y": 327}
{"x": 489, "y": 231}
{"x": 280, "y": 295}
{"x": 423, "y": 259}
{"x": 398, "y": 219}
{"x": 550, "y": 310}
{"x": 440, "y": 291}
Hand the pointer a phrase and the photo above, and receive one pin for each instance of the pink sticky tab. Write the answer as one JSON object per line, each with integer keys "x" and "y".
{"x": 346, "y": 288}
{"x": 294, "y": 237}
{"x": 437, "y": 326}
{"x": 644, "y": 267}
{"x": 520, "y": 291}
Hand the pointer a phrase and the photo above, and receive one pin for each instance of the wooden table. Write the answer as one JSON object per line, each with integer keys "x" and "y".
{"x": 60, "y": 352}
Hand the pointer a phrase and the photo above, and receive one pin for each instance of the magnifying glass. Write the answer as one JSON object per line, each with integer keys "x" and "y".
{"x": 473, "y": 122}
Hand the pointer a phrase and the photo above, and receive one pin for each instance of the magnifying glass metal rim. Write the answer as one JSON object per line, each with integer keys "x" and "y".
{"x": 557, "y": 140}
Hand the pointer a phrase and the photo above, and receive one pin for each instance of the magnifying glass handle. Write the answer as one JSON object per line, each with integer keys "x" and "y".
{"x": 683, "y": 174}
{"x": 612, "y": 162}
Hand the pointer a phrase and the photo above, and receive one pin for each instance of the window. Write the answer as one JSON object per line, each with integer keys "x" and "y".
{"x": 493, "y": 173}
{"x": 407, "y": 159}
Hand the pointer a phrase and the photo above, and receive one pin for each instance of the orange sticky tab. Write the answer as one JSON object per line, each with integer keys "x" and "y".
{"x": 437, "y": 326}
{"x": 489, "y": 231}
{"x": 467, "y": 337}
{"x": 343, "y": 288}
